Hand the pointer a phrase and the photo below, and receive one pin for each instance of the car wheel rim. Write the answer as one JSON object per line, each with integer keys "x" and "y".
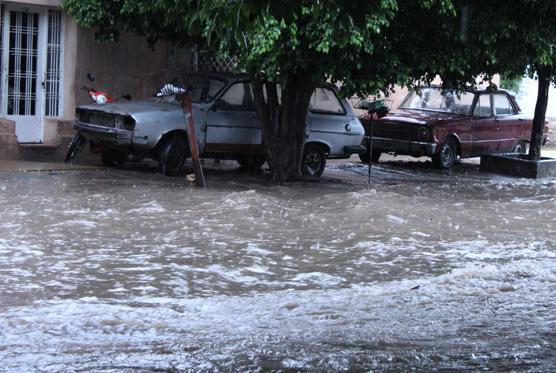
{"x": 312, "y": 163}
{"x": 446, "y": 154}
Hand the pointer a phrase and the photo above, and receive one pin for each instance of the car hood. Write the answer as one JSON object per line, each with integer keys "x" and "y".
{"x": 419, "y": 117}
{"x": 135, "y": 107}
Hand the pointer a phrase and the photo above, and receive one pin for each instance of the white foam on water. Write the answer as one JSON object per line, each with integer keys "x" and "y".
{"x": 318, "y": 278}
{"x": 151, "y": 207}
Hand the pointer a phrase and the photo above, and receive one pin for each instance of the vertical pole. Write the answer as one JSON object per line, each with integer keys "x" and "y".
{"x": 188, "y": 112}
{"x": 370, "y": 146}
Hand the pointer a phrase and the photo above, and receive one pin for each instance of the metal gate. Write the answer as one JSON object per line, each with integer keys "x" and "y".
{"x": 31, "y": 50}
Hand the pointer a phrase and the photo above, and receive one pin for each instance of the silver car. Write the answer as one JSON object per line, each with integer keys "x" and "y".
{"x": 226, "y": 126}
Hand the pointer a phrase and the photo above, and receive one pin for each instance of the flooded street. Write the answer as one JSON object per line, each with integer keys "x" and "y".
{"x": 111, "y": 270}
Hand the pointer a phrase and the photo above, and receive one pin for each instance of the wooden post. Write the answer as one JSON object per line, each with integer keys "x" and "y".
{"x": 190, "y": 125}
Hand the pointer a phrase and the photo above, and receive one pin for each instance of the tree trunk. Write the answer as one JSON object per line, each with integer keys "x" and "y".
{"x": 284, "y": 121}
{"x": 537, "y": 131}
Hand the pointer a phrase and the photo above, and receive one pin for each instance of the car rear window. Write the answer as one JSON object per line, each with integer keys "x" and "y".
{"x": 324, "y": 100}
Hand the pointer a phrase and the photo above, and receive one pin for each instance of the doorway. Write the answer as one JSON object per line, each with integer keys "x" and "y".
{"x": 31, "y": 50}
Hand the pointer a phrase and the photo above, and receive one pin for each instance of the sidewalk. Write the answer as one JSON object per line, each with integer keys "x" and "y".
{"x": 25, "y": 166}
{"x": 30, "y": 166}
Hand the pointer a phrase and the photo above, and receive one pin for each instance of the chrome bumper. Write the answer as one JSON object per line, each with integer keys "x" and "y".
{"x": 404, "y": 146}
{"x": 103, "y": 133}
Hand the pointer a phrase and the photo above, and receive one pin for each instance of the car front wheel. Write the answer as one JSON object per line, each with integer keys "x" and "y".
{"x": 314, "y": 161}
{"x": 447, "y": 154}
{"x": 172, "y": 156}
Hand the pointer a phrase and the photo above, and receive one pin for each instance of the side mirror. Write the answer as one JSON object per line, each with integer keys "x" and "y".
{"x": 90, "y": 77}
{"x": 126, "y": 97}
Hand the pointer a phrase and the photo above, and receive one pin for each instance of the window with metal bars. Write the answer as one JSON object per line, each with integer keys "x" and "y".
{"x": 53, "y": 64}
{"x": 22, "y": 63}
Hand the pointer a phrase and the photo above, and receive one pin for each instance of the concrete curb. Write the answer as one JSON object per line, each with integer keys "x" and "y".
{"x": 25, "y": 166}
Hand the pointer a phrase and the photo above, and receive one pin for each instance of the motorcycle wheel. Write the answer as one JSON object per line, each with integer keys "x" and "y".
{"x": 75, "y": 146}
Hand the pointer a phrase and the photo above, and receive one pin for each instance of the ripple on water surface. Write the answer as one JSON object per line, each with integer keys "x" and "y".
{"x": 419, "y": 270}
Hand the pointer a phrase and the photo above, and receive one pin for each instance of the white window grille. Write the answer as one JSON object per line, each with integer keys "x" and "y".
{"x": 23, "y": 58}
{"x": 53, "y": 63}
{"x": 206, "y": 61}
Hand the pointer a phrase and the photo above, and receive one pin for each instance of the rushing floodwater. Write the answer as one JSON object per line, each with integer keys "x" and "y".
{"x": 126, "y": 271}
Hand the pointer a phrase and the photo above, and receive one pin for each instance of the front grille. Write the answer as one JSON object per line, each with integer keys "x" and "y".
{"x": 98, "y": 118}
{"x": 397, "y": 131}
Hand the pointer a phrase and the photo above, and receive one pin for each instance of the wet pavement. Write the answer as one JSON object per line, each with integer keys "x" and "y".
{"x": 111, "y": 270}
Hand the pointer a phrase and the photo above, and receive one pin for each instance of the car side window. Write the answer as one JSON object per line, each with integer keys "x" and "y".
{"x": 483, "y": 107}
{"x": 237, "y": 98}
{"x": 324, "y": 100}
{"x": 502, "y": 106}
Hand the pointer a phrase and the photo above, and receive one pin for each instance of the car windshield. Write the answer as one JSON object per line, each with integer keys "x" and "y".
{"x": 438, "y": 99}
{"x": 201, "y": 88}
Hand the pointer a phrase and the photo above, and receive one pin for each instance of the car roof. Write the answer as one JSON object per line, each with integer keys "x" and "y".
{"x": 234, "y": 77}
{"x": 470, "y": 90}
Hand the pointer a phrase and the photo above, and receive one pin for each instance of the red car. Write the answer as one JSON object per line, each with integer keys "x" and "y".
{"x": 443, "y": 125}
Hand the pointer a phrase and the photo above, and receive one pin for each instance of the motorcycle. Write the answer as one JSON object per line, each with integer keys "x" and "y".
{"x": 98, "y": 97}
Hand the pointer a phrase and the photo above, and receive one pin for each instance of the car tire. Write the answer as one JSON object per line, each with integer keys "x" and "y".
{"x": 251, "y": 164}
{"x": 314, "y": 161}
{"x": 172, "y": 156}
{"x": 447, "y": 154}
{"x": 113, "y": 157}
{"x": 521, "y": 147}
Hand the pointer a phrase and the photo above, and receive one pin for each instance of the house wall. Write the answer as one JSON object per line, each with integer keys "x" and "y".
{"x": 128, "y": 66}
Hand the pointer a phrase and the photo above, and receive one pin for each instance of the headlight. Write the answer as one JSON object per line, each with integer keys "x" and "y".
{"x": 424, "y": 134}
{"x": 82, "y": 115}
{"x": 125, "y": 122}
{"x": 129, "y": 123}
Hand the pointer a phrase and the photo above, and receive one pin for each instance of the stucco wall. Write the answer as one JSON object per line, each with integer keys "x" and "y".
{"x": 128, "y": 66}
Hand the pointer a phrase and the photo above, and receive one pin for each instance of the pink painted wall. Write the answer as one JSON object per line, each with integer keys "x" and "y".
{"x": 128, "y": 66}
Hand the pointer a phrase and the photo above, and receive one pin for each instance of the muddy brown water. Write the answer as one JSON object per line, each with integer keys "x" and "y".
{"x": 129, "y": 271}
